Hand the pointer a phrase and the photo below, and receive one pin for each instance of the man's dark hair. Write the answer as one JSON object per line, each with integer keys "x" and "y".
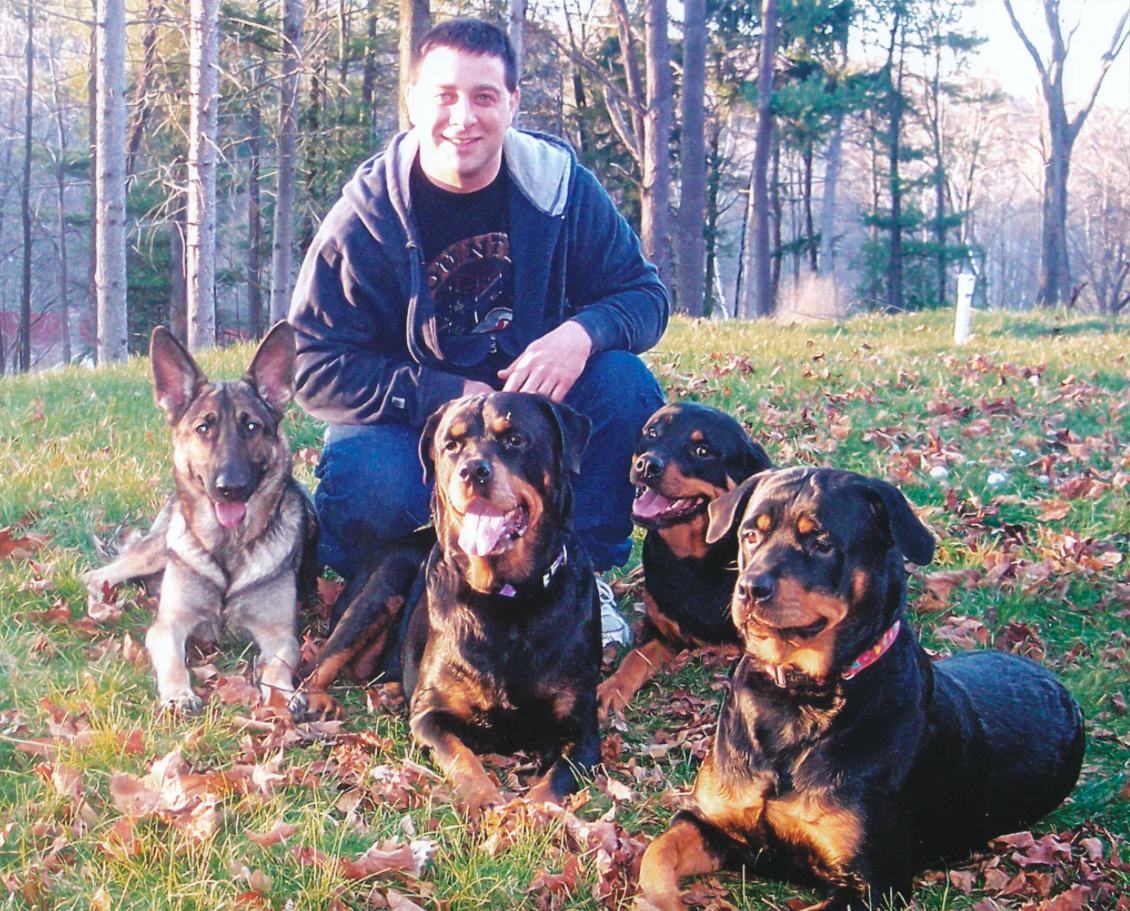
{"x": 473, "y": 36}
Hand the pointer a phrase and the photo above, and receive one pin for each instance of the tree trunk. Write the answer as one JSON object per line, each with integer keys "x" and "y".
{"x": 369, "y": 68}
{"x": 24, "y": 361}
{"x": 200, "y": 239}
{"x": 833, "y": 161}
{"x": 656, "y": 190}
{"x": 415, "y": 20}
{"x": 515, "y": 30}
{"x": 1055, "y": 276}
{"x": 809, "y": 226}
{"x": 713, "y": 186}
{"x": 111, "y": 182}
{"x": 153, "y": 12}
{"x": 254, "y": 204}
{"x": 61, "y": 211}
{"x": 760, "y": 284}
{"x": 631, "y": 65}
{"x": 690, "y": 237}
{"x": 178, "y": 286}
{"x": 282, "y": 244}
{"x": 895, "y": 300}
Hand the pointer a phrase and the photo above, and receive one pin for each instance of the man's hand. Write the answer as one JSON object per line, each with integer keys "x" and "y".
{"x": 551, "y": 364}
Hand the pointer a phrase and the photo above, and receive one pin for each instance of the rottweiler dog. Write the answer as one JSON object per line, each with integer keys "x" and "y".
{"x": 687, "y": 456}
{"x": 842, "y": 752}
{"x": 499, "y": 646}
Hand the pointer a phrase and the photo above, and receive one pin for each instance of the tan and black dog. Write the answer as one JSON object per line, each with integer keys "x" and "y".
{"x": 687, "y": 456}
{"x": 503, "y": 651}
{"x": 236, "y": 541}
{"x": 842, "y": 752}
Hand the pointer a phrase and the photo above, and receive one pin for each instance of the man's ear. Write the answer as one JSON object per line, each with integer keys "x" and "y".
{"x": 176, "y": 378}
{"x": 427, "y": 442}
{"x": 573, "y": 429}
{"x": 726, "y": 509}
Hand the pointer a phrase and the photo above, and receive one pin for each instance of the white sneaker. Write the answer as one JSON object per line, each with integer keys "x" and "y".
{"x": 613, "y": 627}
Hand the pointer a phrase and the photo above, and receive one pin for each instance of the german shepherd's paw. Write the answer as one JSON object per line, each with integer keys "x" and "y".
{"x": 315, "y": 706}
{"x": 187, "y": 704}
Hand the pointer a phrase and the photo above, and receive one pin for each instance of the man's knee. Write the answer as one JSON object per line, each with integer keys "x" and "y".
{"x": 617, "y": 388}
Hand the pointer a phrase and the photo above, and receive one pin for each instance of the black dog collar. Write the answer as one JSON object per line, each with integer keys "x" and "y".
{"x": 509, "y": 591}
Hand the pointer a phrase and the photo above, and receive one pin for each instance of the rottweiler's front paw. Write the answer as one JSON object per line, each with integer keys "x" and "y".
{"x": 543, "y": 792}
{"x": 609, "y": 699}
{"x": 476, "y": 800}
{"x": 315, "y": 705}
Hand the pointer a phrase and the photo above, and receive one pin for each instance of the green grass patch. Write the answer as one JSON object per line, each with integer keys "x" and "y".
{"x": 1015, "y": 448}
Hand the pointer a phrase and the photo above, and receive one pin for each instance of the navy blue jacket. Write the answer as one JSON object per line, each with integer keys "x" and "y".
{"x": 367, "y": 345}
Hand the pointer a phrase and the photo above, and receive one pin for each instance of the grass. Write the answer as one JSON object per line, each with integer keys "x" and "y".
{"x": 1030, "y": 420}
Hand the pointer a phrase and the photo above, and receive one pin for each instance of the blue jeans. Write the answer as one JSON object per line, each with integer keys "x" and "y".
{"x": 371, "y": 484}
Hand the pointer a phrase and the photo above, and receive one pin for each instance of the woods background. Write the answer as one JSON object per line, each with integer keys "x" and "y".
{"x": 164, "y": 161}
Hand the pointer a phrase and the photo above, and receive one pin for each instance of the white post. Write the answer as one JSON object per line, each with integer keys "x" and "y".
{"x": 965, "y": 285}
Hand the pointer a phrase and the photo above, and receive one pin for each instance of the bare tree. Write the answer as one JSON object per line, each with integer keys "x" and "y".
{"x": 282, "y": 250}
{"x": 690, "y": 239}
{"x": 657, "y": 139}
{"x": 516, "y": 28}
{"x": 60, "y": 162}
{"x": 759, "y": 283}
{"x": 200, "y": 240}
{"x": 1055, "y": 275}
{"x": 415, "y": 19}
{"x": 24, "y": 360}
{"x": 110, "y": 253}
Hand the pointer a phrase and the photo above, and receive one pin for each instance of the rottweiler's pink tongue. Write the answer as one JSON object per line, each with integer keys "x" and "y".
{"x": 483, "y": 528}
{"x": 649, "y": 504}
{"x": 229, "y": 514}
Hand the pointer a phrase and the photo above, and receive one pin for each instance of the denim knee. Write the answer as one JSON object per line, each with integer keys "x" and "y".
{"x": 370, "y": 490}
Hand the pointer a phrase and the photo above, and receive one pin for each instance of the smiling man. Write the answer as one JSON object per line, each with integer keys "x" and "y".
{"x": 470, "y": 256}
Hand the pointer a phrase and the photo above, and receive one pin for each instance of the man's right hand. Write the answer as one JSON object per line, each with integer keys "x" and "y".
{"x": 474, "y": 387}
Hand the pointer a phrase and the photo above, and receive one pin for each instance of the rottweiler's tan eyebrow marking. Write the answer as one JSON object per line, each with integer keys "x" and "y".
{"x": 764, "y": 522}
{"x": 805, "y": 525}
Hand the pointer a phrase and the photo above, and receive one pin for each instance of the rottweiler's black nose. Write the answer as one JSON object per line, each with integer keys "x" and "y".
{"x": 758, "y": 587}
{"x": 475, "y": 471}
{"x": 648, "y": 467}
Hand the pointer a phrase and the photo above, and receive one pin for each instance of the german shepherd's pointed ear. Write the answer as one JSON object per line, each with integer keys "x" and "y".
{"x": 907, "y": 531}
{"x": 573, "y": 430}
{"x": 176, "y": 378}
{"x": 725, "y": 510}
{"x": 427, "y": 442}
{"x": 271, "y": 370}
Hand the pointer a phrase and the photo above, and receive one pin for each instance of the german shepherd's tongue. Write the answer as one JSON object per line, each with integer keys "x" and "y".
{"x": 650, "y": 504}
{"x": 229, "y": 514}
{"x": 483, "y": 528}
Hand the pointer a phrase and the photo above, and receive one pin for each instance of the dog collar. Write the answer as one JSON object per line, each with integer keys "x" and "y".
{"x": 874, "y": 653}
{"x": 509, "y": 591}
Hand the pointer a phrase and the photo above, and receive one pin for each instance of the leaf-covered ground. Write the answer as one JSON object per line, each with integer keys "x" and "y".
{"x": 1015, "y": 448}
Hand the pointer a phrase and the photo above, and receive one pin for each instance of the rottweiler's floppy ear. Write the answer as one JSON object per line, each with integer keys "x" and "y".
{"x": 726, "y": 509}
{"x": 573, "y": 429}
{"x": 271, "y": 371}
{"x": 427, "y": 442}
{"x": 176, "y": 378}
{"x": 909, "y": 534}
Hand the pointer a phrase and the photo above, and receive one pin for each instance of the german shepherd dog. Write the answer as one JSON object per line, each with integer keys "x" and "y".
{"x": 842, "y": 752}
{"x": 687, "y": 456}
{"x": 238, "y": 539}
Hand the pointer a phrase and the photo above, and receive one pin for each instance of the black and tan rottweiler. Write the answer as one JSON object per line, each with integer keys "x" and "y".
{"x": 687, "y": 456}
{"x": 237, "y": 542}
{"x": 842, "y": 752}
{"x": 501, "y": 650}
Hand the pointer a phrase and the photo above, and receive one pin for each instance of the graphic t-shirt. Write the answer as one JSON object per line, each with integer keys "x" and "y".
{"x": 466, "y": 246}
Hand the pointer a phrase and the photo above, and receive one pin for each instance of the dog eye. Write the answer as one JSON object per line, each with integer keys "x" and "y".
{"x": 202, "y": 428}
{"x": 451, "y": 446}
{"x": 751, "y": 536}
{"x": 702, "y": 451}
{"x": 251, "y": 426}
{"x": 513, "y": 440}
{"x": 821, "y": 545}
{"x": 650, "y": 433}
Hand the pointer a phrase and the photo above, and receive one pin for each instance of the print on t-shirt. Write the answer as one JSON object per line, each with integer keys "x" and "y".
{"x": 472, "y": 286}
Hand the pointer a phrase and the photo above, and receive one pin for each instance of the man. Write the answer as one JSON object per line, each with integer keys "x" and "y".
{"x": 469, "y": 256}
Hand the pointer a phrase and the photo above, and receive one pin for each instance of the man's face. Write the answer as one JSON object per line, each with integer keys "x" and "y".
{"x": 461, "y": 108}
